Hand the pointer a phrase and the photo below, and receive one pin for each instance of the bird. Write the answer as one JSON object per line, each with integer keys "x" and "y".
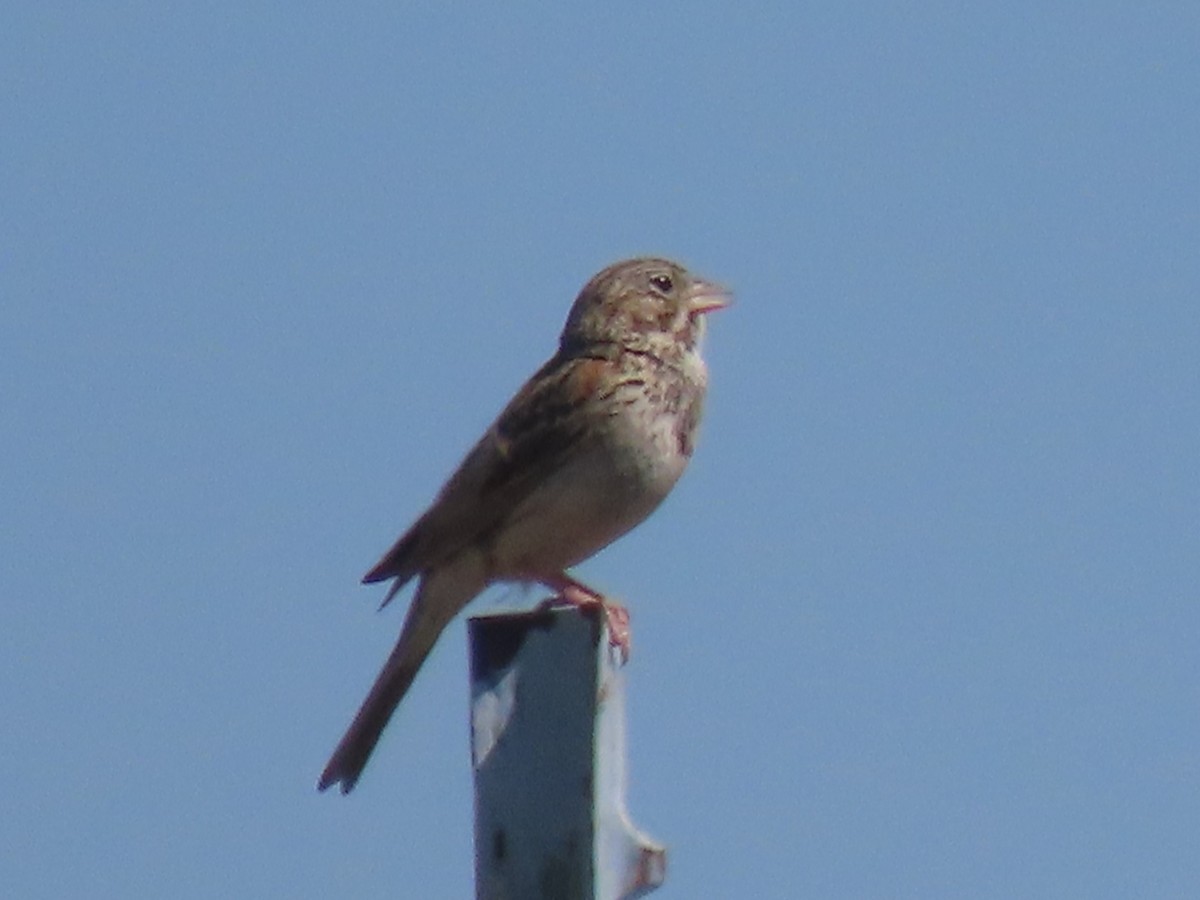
{"x": 585, "y": 451}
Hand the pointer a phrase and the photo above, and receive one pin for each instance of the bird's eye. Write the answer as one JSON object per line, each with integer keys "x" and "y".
{"x": 663, "y": 283}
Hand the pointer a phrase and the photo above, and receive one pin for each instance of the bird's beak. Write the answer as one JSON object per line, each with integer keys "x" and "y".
{"x": 706, "y": 297}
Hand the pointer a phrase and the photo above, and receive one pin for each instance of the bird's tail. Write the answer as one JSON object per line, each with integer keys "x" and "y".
{"x": 440, "y": 597}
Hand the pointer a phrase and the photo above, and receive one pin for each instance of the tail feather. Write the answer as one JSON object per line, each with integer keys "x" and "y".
{"x": 439, "y": 599}
{"x": 355, "y": 748}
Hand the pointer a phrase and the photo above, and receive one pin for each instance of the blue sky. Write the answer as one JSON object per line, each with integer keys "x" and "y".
{"x": 920, "y": 621}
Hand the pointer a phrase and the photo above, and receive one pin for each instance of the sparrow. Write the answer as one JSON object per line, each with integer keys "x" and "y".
{"x": 585, "y": 451}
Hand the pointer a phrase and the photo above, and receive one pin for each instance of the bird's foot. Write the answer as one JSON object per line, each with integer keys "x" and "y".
{"x": 616, "y": 616}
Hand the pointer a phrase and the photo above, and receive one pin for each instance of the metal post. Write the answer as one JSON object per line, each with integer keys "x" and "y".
{"x": 548, "y": 747}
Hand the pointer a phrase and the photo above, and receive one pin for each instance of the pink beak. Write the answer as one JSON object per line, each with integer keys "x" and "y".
{"x": 706, "y": 297}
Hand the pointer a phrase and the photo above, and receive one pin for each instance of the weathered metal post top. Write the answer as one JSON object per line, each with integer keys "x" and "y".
{"x": 548, "y": 748}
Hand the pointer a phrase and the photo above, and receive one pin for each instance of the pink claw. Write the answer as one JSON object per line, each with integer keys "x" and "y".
{"x": 616, "y": 616}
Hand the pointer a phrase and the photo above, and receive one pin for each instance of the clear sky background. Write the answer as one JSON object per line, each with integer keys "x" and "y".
{"x": 921, "y": 620}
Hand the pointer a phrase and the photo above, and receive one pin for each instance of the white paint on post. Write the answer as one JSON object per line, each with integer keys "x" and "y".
{"x": 548, "y": 747}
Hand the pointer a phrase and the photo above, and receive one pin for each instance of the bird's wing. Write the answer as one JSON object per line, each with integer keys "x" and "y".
{"x": 538, "y": 429}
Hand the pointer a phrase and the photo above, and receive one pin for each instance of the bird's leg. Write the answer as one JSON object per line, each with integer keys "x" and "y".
{"x": 576, "y": 593}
